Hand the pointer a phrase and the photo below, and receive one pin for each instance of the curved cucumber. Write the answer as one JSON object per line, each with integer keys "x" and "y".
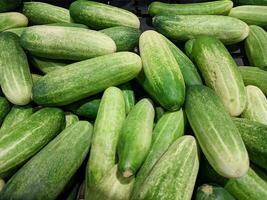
{"x": 216, "y": 133}
{"x": 184, "y": 27}
{"x": 188, "y": 47}
{"x": 129, "y": 97}
{"x": 7, "y": 5}
{"x": 16, "y": 79}
{"x": 209, "y": 192}
{"x": 12, "y": 20}
{"x": 17, "y": 31}
{"x": 5, "y": 107}
{"x": 70, "y": 119}
{"x": 86, "y": 78}
{"x": 135, "y": 138}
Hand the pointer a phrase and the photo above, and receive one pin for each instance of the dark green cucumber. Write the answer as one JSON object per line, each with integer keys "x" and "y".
{"x": 129, "y": 97}
{"x": 184, "y": 27}
{"x": 99, "y": 16}
{"x": 17, "y": 31}
{"x": 161, "y": 76}
{"x": 221, "y": 75}
{"x": 7, "y": 5}
{"x": 216, "y": 133}
{"x": 204, "y": 8}
{"x": 159, "y": 111}
{"x": 70, "y": 119}
{"x": 86, "y": 78}
{"x": 135, "y": 138}
{"x": 44, "y": 13}
{"x": 48, "y": 172}
{"x": 5, "y": 107}
{"x": 210, "y": 192}
{"x": 126, "y": 38}
{"x": 68, "y": 24}
{"x": 35, "y": 78}
{"x": 12, "y": 20}
{"x": 188, "y": 47}
{"x": 251, "y": 2}
{"x": 28, "y": 137}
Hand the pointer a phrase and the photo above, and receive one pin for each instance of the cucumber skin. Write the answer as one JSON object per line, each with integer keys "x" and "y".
{"x": 5, "y": 107}
{"x": 12, "y": 20}
{"x": 221, "y": 75}
{"x": 256, "y": 47}
{"x": 206, "y": 8}
{"x": 129, "y": 97}
{"x": 174, "y": 175}
{"x": 16, "y": 79}
{"x": 209, "y": 192}
{"x": 135, "y": 137}
{"x": 68, "y": 24}
{"x": 7, "y": 5}
{"x": 58, "y": 161}
{"x": 251, "y": 2}
{"x": 70, "y": 119}
{"x": 215, "y": 131}
{"x": 17, "y": 31}
{"x": 83, "y": 78}
{"x": 35, "y": 78}
{"x": 184, "y": 27}
{"x": 188, "y": 48}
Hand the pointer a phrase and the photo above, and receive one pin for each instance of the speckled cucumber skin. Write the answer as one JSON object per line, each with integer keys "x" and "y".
{"x": 209, "y": 192}
{"x": 48, "y": 172}
{"x": 12, "y": 20}
{"x": 184, "y": 27}
{"x": 216, "y": 133}
{"x": 7, "y": 5}
{"x": 5, "y": 107}
{"x": 129, "y": 97}
{"x": 86, "y": 78}
{"x": 68, "y": 24}
{"x": 220, "y": 73}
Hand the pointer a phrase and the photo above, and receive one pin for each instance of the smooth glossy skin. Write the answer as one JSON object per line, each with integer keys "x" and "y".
{"x": 12, "y": 20}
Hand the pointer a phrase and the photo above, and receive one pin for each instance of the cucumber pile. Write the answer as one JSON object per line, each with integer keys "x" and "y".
{"x": 93, "y": 108}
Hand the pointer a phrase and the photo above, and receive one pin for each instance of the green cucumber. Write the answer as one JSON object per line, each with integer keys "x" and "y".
{"x": 86, "y": 78}
{"x": 210, "y": 192}
{"x": 135, "y": 138}
{"x": 7, "y": 5}
{"x": 68, "y": 43}
{"x": 167, "y": 130}
{"x": 204, "y": 8}
{"x": 12, "y": 20}
{"x": 17, "y": 31}
{"x": 16, "y": 79}
{"x": 248, "y": 187}
{"x": 159, "y": 112}
{"x": 126, "y": 38}
{"x": 252, "y": 15}
{"x": 129, "y": 97}
{"x": 68, "y": 24}
{"x": 256, "y": 47}
{"x": 2, "y": 184}
{"x": 161, "y": 76}
{"x": 216, "y": 133}
{"x": 256, "y": 109}
{"x": 28, "y": 137}
{"x": 99, "y": 16}
{"x": 221, "y": 75}
{"x": 251, "y": 2}
{"x": 48, "y": 172}
{"x": 5, "y": 107}
{"x": 188, "y": 48}
{"x": 35, "y": 78}
{"x": 70, "y": 119}
{"x": 44, "y": 13}
{"x": 184, "y": 27}
{"x": 254, "y": 135}
{"x": 174, "y": 175}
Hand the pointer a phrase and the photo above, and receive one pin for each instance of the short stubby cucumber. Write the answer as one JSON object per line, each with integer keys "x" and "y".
{"x": 174, "y": 175}
{"x": 17, "y": 31}
{"x": 220, "y": 72}
{"x": 184, "y": 27}
{"x": 204, "y": 8}
{"x": 161, "y": 77}
{"x": 70, "y": 119}
{"x": 16, "y": 79}
{"x": 12, "y": 20}
{"x": 99, "y": 16}
{"x": 86, "y": 78}
{"x": 129, "y": 96}
{"x": 44, "y": 13}
{"x": 216, "y": 133}
{"x": 135, "y": 137}
{"x": 210, "y": 192}
{"x": 251, "y": 2}
{"x": 57, "y": 161}
{"x": 5, "y": 107}
{"x": 7, "y": 5}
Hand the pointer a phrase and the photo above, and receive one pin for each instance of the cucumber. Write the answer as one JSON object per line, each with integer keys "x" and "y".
{"x": 17, "y": 31}
{"x": 68, "y": 24}
{"x": 256, "y": 109}
{"x": 86, "y": 78}
{"x": 254, "y": 76}
{"x": 108, "y": 124}
{"x": 129, "y": 97}
{"x": 44, "y": 13}
{"x": 167, "y": 130}
{"x": 159, "y": 112}
{"x": 252, "y": 15}
{"x": 28, "y": 137}
{"x": 188, "y": 48}
{"x": 126, "y": 38}
{"x": 256, "y": 47}
{"x": 73, "y": 193}
{"x": 68, "y": 43}
{"x": 35, "y": 78}
{"x": 47, "y": 173}
{"x": 135, "y": 138}
{"x": 259, "y": 172}
{"x": 2, "y": 184}
{"x": 12, "y": 20}
{"x": 210, "y": 192}
{"x": 100, "y": 16}
{"x": 248, "y": 187}
{"x": 204, "y": 8}
{"x": 16, "y": 79}
{"x": 216, "y": 133}
{"x": 174, "y": 175}
{"x": 254, "y": 135}
{"x": 16, "y": 115}
{"x": 184, "y": 27}
{"x": 70, "y": 119}
{"x": 251, "y": 2}
{"x": 159, "y": 65}
{"x": 5, "y": 107}
{"x": 7, "y": 5}
{"x": 221, "y": 75}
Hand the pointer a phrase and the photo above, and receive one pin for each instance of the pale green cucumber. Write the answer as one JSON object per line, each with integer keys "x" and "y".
{"x": 17, "y": 31}
{"x": 216, "y": 133}
{"x": 210, "y": 192}
{"x": 5, "y": 107}
{"x": 129, "y": 97}
{"x": 12, "y": 20}
{"x": 36, "y": 77}
{"x": 174, "y": 175}
{"x": 7, "y": 5}
{"x": 86, "y": 78}
{"x": 135, "y": 138}
{"x": 188, "y": 48}
{"x": 220, "y": 73}
{"x": 16, "y": 79}
{"x": 68, "y": 24}
{"x": 161, "y": 77}
{"x": 159, "y": 111}
{"x": 70, "y": 119}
